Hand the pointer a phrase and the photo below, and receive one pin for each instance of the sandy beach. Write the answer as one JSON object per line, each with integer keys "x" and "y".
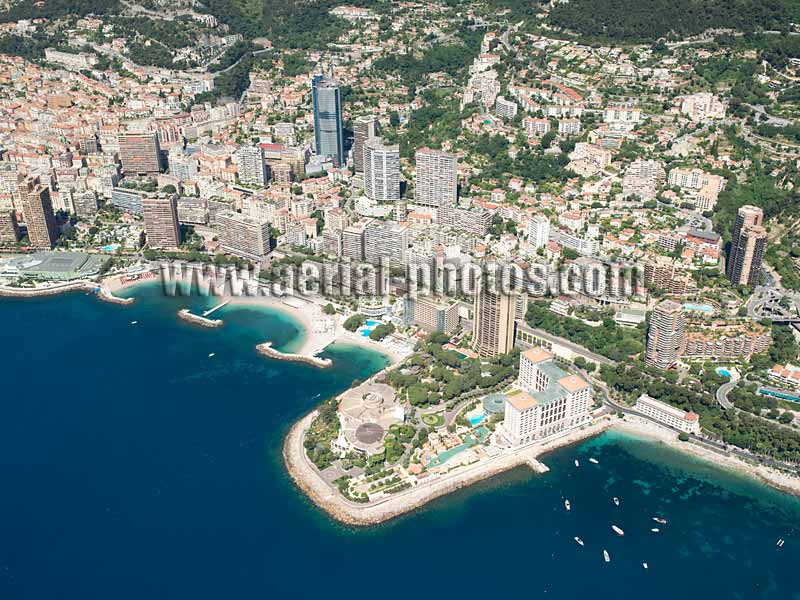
{"x": 319, "y": 330}
{"x": 772, "y": 477}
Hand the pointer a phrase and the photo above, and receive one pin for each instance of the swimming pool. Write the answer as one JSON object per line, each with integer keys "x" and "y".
{"x": 706, "y": 308}
{"x": 476, "y": 420}
{"x": 782, "y": 396}
{"x": 724, "y": 372}
{"x": 110, "y": 248}
{"x": 367, "y": 328}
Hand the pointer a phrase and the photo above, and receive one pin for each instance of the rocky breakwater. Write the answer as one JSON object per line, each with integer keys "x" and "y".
{"x": 187, "y": 315}
{"x": 107, "y": 296}
{"x": 266, "y": 349}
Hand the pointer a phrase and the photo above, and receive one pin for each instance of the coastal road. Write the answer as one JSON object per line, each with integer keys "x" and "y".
{"x": 700, "y": 440}
{"x": 725, "y": 389}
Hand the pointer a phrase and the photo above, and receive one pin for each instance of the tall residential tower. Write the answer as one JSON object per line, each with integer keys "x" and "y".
{"x": 493, "y": 329}
{"x": 748, "y": 245}
{"x": 364, "y": 128}
{"x": 328, "y": 134}
{"x": 437, "y": 179}
{"x": 381, "y": 171}
{"x": 665, "y": 335}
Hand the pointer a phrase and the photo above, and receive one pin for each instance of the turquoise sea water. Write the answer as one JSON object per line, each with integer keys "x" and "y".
{"x": 133, "y": 466}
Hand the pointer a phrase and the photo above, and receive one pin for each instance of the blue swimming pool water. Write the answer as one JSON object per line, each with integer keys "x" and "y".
{"x": 699, "y": 307}
{"x": 373, "y": 323}
{"x": 780, "y": 395}
{"x": 476, "y": 420}
{"x": 724, "y": 372}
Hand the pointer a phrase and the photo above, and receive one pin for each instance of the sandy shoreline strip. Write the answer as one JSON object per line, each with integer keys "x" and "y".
{"x": 308, "y": 479}
{"x": 314, "y": 342}
{"x": 779, "y": 480}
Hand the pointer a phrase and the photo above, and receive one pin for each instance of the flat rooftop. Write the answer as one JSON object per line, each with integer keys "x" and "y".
{"x": 57, "y": 265}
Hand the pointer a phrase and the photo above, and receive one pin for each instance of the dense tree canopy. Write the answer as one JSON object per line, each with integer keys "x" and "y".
{"x": 643, "y": 20}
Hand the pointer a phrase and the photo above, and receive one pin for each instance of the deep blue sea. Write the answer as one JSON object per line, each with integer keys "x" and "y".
{"x": 133, "y": 466}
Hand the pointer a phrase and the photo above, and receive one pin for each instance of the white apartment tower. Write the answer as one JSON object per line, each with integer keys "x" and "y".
{"x": 437, "y": 179}
{"x": 665, "y": 335}
{"x": 381, "y": 170}
{"x": 251, "y": 166}
{"x": 538, "y": 231}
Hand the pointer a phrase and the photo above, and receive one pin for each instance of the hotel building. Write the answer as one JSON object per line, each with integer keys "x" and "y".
{"x": 434, "y": 314}
{"x": 688, "y": 422}
{"x": 549, "y": 400}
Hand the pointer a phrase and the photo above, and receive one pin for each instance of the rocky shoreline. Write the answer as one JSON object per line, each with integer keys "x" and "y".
{"x": 11, "y": 292}
{"x": 308, "y": 479}
{"x": 187, "y": 315}
{"x": 107, "y": 296}
{"x": 103, "y": 293}
{"x": 266, "y": 349}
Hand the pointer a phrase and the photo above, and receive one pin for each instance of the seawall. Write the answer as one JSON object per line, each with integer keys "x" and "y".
{"x": 187, "y": 315}
{"x": 103, "y": 294}
{"x": 308, "y": 479}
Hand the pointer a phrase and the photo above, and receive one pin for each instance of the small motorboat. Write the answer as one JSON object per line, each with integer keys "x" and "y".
{"x": 661, "y": 521}
{"x": 567, "y": 505}
{"x": 617, "y": 530}
{"x": 644, "y": 565}
{"x": 780, "y": 543}
{"x": 594, "y": 461}
{"x": 579, "y": 540}
{"x": 606, "y": 557}
{"x": 616, "y": 500}
{"x": 655, "y": 530}
{"x": 212, "y": 354}
{"x": 134, "y": 322}
{"x": 577, "y": 464}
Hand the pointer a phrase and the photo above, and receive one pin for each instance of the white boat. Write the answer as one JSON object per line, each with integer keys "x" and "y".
{"x": 655, "y": 530}
{"x": 577, "y": 464}
{"x": 616, "y": 500}
{"x": 617, "y": 530}
{"x": 780, "y": 543}
{"x": 644, "y": 565}
{"x": 134, "y": 322}
{"x": 212, "y": 355}
{"x": 594, "y": 461}
{"x": 567, "y": 504}
{"x": 606, "y": 556}
{"x": 662, "y": 521}
{"x": 579, "y": 540}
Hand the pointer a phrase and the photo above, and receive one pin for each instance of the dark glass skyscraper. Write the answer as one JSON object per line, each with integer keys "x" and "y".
{"x": 328, "y": 133}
